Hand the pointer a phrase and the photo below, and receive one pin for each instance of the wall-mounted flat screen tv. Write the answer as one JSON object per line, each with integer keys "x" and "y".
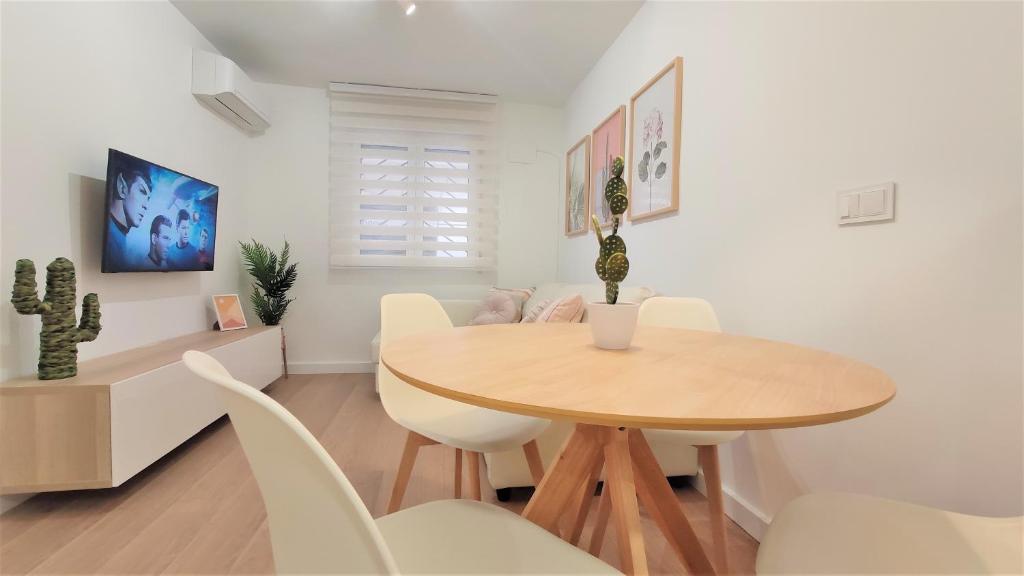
{"x": 157, "y": 219}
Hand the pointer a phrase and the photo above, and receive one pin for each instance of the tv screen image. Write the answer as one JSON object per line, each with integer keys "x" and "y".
{"x": 157, "y": 219}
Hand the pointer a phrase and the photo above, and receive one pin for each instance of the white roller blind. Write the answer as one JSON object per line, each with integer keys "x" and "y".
{"x": 413, "y": 179}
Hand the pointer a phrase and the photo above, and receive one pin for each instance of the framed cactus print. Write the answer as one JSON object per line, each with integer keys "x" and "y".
{"x": 577, "y": 184}
{"x": 607, "y": 141}
{"x": 655, "y": 119}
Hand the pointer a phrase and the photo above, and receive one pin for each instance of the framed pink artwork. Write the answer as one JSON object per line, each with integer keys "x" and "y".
{"x": 229, "y": 312}
{"x": 607, "y": 141}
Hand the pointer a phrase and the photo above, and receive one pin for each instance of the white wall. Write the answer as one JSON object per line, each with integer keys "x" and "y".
{"x": 786, "y": 104}
{"x": 79, "y": 78}
{"x": 336, "y": 312}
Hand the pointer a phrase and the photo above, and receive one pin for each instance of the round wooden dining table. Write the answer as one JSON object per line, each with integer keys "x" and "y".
{"x": 669, "y": 378}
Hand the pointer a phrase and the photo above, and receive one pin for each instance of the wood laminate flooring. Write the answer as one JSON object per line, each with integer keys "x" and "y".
{"x": 198, "y": 510}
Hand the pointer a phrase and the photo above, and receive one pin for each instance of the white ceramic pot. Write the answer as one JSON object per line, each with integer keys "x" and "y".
{"x": 612, "y": 325}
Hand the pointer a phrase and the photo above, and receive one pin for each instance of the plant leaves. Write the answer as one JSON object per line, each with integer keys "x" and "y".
{"x": 657, "y": 149}
{"x": 660, "y": 170}
{"x": 641, "y": 171}
{"x": 272, "y": 277}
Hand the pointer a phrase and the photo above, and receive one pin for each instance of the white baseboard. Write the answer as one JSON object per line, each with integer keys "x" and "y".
{"x": 749, "y": 517}
{"x": 343, "y": 367}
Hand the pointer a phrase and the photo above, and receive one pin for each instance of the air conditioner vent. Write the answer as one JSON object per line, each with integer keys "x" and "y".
{"x": 224, "y": 88}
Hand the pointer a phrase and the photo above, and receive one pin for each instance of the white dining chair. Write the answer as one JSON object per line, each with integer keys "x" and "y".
{"x": 431, "y": 419}
{"x": 695, "y": 314}
{"x": 319, "y": 525}
{"x": 855, "y": 534}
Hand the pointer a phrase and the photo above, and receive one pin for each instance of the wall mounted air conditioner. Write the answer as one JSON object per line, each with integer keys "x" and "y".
{"x": 221, "y": 85}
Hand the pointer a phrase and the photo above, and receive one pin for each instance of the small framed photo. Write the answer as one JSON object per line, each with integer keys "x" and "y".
{"x": 655, "y": 133}
{"x": 607, "y": 141}
{"x": 229, "y": 312}
{"x": 577, "y": 185}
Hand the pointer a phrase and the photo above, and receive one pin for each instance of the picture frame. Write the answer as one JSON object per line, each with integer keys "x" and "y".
{"x": 654, "y": 155}
{"x": 577, "y": 186}
{"x": 230, "y": 315}
{"x": 607, "y": 140}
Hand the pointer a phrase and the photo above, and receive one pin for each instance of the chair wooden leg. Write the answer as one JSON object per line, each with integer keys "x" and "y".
{"x": 474, "y": 474}
{"x": 534, "y": 461}
{"x": 412, "y": 446}
{"x": 708, "y": 456}
{"x": 458, "y": 473}
{"x": 620, "y": 484}
{"x": 604, "y": 512}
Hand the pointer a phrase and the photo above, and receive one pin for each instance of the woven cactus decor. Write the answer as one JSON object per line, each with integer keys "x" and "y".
{"x": 59, "y": 338}
{"x": 612, "y": 264}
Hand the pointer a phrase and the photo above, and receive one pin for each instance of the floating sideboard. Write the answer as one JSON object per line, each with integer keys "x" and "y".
{"x": 121, "y": 412}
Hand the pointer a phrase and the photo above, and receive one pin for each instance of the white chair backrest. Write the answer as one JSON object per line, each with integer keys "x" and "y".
{"x": 318, "y": 524}
{"x": 688, "y": 313}
{"x": 404, "y": 315}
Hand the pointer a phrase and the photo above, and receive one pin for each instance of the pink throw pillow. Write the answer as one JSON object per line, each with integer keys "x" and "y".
{"x": 497, "y": 308}
{"x": 568, "y": 309}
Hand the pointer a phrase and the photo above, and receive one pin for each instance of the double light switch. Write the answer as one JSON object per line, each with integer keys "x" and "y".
{"x": 869, "y": 204}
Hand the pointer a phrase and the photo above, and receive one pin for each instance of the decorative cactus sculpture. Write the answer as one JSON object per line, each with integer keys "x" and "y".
{"x": 58, "y": 341}
{"x": 612, "y": 264}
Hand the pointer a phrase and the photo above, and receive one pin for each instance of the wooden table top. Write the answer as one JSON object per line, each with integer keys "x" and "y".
{"x": 669, "y": 378}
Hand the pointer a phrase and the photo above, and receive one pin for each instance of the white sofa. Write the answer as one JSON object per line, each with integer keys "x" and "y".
{"x": 509, "y": 469}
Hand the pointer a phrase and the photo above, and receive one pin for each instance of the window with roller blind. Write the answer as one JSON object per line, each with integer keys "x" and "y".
{"x": 413, "y": 179}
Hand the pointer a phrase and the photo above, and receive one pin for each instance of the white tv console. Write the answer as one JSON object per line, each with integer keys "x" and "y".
{"x": 121, "y": 412}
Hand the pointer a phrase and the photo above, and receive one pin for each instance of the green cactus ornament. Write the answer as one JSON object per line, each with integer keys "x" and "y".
{"x": 59, "y": 338}
{"x": 612, "y": 264}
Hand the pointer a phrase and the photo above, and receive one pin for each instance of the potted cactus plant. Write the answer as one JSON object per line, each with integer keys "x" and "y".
{"x": 612, "y": 323}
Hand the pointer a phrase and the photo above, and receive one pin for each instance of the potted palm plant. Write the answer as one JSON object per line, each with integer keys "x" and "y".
{"x": 273, "y": 277}
{"x": 612, "y": 323}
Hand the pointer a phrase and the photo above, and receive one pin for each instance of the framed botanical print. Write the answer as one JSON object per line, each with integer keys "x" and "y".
{"x": 655, "y": 114}
{"x": 577, "y": 183}
{"x": 607, "y": 141}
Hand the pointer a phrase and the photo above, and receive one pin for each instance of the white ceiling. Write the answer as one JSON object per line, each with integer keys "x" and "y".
{"x": 528, "y": 51}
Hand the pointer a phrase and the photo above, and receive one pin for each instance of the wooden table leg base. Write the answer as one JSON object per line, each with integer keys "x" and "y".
{"x": 570, "y": 469}
{"x": 581, "y": 505}
{"x": 621, "y": 488}
{"x": 660, "y": 502}
{"x": 604, "y": 512}
{"x": 631, "y": 470}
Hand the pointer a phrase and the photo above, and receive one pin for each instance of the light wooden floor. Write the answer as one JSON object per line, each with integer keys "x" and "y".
{"x": 198, "y": 510}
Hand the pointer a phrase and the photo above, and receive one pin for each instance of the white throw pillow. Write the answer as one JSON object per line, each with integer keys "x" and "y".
{"x": 533, "y": 313}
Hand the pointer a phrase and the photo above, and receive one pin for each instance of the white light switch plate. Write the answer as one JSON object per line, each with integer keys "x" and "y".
{"x": 868, "y": 204}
